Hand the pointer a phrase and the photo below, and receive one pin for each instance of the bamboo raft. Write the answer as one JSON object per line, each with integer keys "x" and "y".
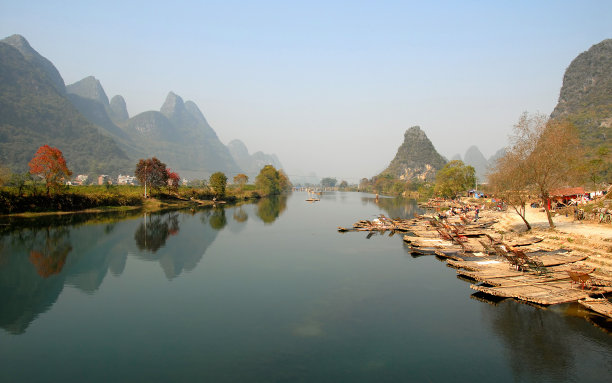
{"x": 599, "y": 305}
{"x": 548, "y": 259}
{"x": 548, "y": 293}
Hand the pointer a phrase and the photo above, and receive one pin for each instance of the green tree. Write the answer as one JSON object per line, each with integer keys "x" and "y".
{"x": 218, "y": 182}
{"x": 271, "y": 181}
{"x": 454, "y": 178}
{"x": 598, "y": 165}
{"x": 328, "y": 182}
{"x": 269, "y": 209}
{"x": 343, "y": 185}
{"x": 5, "y": 175}
{"x": 20, "y": 181}
{"x": 218, "y": 220}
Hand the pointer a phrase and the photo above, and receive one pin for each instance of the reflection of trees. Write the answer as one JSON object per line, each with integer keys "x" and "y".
{"x": 240, "y": 215}
{"x": 269, "y": 209}
{"x": 154, "y": 231}
{"x": 50, "y": 257}
{"x": 396, "y": 207}
{"x": 217, "y": 219}
{"x": 23, "y": 293}
{"x": 181, "y": 255}
{"x": 535, "y": 340}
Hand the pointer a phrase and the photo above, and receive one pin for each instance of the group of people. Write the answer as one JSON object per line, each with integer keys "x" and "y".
{"x": 460, "y": 210}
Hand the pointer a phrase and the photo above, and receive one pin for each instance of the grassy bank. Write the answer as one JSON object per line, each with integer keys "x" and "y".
{"x": 116, "y": 197}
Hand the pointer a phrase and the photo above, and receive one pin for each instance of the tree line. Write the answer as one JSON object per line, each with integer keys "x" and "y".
{"x": 48, "y": 169}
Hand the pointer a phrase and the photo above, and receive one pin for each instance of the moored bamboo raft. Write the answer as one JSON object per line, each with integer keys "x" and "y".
{"x": 549, "y": 293}
{"x": 535, "y": 274}
{"x": 600, "y": 305}
{"x": 548, "y": 259}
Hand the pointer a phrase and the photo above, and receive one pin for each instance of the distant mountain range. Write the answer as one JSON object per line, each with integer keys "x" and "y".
{"x": 474, "y": 157}
{"x": 97, "y": 135}
{"x": 34, "y": 111}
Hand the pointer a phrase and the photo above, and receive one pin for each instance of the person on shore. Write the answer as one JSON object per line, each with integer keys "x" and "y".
{"x": 476, "y": 215}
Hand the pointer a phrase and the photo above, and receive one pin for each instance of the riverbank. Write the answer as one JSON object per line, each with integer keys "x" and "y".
{"x": 99, "y": 199}
{"x": 590, "y": 238}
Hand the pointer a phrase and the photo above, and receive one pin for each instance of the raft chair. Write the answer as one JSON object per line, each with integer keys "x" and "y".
{"x": 515, "y": 262}
{"x": 489, "y": 249}
{"x": 537, "y": 266}
{"x": 574, "y": 276}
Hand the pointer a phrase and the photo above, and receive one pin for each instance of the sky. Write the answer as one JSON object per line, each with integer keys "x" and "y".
{"x": 330, "y": 87}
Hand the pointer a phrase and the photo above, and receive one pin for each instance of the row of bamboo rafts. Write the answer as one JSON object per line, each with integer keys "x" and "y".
{"x": 540, "y": 275}
{"x": 543, "y": 276}
{"x": 420, "y": 225}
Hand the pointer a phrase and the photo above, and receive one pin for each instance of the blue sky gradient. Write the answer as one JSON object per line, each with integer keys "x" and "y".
{"x": 329, "y": 86}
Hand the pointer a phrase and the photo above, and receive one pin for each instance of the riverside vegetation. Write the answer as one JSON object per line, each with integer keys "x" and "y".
{"x": 43, "y": 189}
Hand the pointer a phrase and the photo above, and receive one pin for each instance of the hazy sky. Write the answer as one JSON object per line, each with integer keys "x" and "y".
{"x": 328, "y": 86}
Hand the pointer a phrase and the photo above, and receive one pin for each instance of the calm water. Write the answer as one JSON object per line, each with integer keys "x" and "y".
{"x": 266, "y": 292}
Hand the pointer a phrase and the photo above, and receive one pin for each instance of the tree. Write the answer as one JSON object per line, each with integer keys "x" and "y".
{"x": 49, "y": 164}
{"x": 198, "y": 183}
{"x": 553, "y": 154}
{"x": 218, "y": 182}
{"x": 241, "y": 179}
{"x": 543, "y": 155}
{"x": 598, "y": 165}
{"x": 328, "y": 182}
{"x": 5, "y": 175}
{"x": 507, "y": 181}
{"x": 271, "y": 181}
{"x": 20, "y": 180}
{"x": 173, "y": 180}
{"x": 454, "y": 178}
{"x": 152, "y": 173}
{"x": 343, "y": 185}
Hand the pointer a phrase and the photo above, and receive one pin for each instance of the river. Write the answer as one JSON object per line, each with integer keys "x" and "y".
{"x": 265, "y": 292}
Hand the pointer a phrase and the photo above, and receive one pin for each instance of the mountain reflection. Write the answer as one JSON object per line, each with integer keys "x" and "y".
{"x": 269, "y": 209}
{"x": 39, "y": 257}
{"x": 31, "y": 277}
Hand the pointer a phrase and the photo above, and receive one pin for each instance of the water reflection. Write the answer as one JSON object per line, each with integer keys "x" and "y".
{"x": 269, "y": 209}
{"x": 39, "y": 257}
{"x": 184, "y": 253}
{"x": 155, "y": 229}
{"x": 217, "y": 219}
{"x": 395, "y": 207}
{"x": 240, "y": 215}
{"x": 48, "y": 255}
{"x": 538, "y": 343}
{"x": 30, "y": 280}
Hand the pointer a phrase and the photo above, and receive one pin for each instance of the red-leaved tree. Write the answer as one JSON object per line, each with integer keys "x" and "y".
{"x": 49, "y": 164}
{"x": 173, "y": 179}
{"x": 151, "y": 173}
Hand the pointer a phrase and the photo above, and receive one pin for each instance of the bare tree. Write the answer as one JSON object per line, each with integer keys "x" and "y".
{"x": 543, "y": 155}
{"x": 508, "y": 182}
